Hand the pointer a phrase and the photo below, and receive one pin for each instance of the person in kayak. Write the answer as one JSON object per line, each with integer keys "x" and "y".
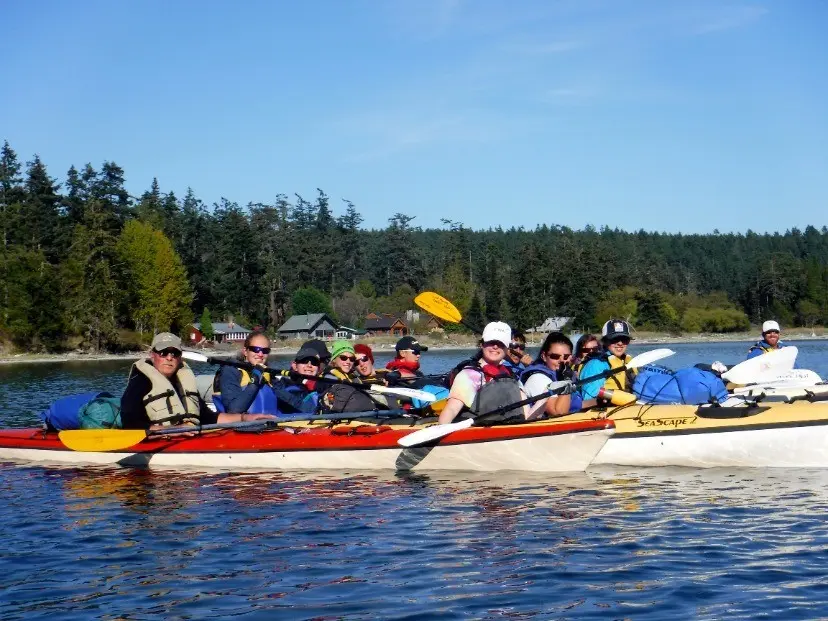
{"x": 296, "y": 394}
{"x": 321, "y": 350}
{"x": 615, "y": 337}
{"x": 243, "y": 390}
{"x": 487, "y": 383}
{"x": 588, "y": 346}
{"x": 161, "y": 391}
{"x": 516, "y": 357}
{"x": 769, "y": 342}
{"x": 342, "y": 397}
{"x": 407, "y": 360}
{"x": 552, "y": 365}
{"x": 343, "y": 362}
{"x": 368, "y": 373}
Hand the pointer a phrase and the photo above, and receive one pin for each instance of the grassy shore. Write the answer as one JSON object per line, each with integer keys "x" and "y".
{"x": 435, "y": 342}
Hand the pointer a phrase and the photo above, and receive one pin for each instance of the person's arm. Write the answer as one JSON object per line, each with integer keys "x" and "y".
{"x": 133, "y": 412}
{"x": 593, "y": 367}
{"x": 233, "y": 396}
{"x": 754, "y": 351}
{"x": 463, "y": 390}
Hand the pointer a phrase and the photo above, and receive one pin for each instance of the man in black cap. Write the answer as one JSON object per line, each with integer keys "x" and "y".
{"x": 407, "y": 362}
{"x": 298, "y": 394}
{"x": 320, "y": 348}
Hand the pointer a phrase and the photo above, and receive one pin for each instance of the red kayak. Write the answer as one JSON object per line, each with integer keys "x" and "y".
{"x": 545, "y": 446}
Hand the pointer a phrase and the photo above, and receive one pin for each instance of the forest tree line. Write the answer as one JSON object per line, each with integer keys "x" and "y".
{"x": 84, "y": 260}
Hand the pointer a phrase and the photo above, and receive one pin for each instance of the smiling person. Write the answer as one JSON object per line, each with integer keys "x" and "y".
{"x": 769, "y": 342}
{"x": 341, "y": 397}
{"x": 487, "y": 383}
{"x": 298, "y": 394}
{"x": 552, "y": 365}
{"x": 516, "y": 357}
{"x": 407, "y": 360}
{"x": 588, "y": 346}
{"x": 161, "y": 391}
{"x": 615, "y": 337}
{"x": 242, "y": 390}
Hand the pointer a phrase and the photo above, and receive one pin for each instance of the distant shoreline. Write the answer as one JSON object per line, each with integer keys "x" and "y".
{"x": 387, "y": 346}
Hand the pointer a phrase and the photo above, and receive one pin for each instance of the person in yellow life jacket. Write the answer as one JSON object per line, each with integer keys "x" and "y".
{"x": 243, "y": 390}
{"x": 615, "y": 337}
{"x": 161, "y": 391}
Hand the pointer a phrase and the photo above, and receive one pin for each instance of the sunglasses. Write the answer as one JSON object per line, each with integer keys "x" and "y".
{"x": 624, "y": 341}
{"x": 345, "y": 358}
{"x": 588, "y": 350}
{"x": 776, "y": 332}
{"x": 494, "y": 344}
{"x": 520, "y": 346}
{"x": 416, "y": 352}
{"x": 258, "y": 350}
{"x": 170, "y": 351}
{"x": 363, "y": 359}
{"x": 552, "y": 356}
{"x": 313, "y": 361}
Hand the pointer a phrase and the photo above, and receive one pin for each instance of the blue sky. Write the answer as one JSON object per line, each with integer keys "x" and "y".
{"x": 682, "y": 116}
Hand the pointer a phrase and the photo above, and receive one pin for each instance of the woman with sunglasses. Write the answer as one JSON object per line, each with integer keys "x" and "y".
{"x": 588, "y": 346}
{"x": 241, "y": 390}
{"x": 552, "y": 365}
{"x": 341, "y": 397}
{"x": 487, "y": 383}
{"x": 615, "y": 337}
{"x": 516, "y": 357}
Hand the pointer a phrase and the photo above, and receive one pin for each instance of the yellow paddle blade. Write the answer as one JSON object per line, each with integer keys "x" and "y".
{"x": 101, "y": 440}
{"x": 437, "y": 305}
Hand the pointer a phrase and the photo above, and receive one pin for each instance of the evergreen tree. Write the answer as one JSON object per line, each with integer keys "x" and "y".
{"x": 207, "y": 325}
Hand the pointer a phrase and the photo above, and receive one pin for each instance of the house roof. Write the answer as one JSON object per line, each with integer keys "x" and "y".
{"x": 223, "y": 328}
{"x": 382, "y": 323}
{"x": 303, "y": 323}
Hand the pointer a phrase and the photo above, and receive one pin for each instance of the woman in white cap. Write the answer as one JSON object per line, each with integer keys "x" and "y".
{"x": 487, "y": 383}
{"x": 770, "y": 340}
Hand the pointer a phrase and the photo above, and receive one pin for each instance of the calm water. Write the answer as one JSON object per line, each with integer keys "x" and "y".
{"x": 660, "y": 543}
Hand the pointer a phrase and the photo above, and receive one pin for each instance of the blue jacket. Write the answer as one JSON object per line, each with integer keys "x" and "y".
{"x": 575, "y": 401}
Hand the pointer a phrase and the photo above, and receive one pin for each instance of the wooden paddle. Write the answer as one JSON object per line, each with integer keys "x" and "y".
{"x": 104, "y": 440}
{"x": 410, "y": 393}
{"x": 438, "y": 431}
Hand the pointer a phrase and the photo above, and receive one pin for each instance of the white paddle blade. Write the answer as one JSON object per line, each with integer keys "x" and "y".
{"x": 411, "y": 393}
{"x": 649, "y": 357}
{"x": 194, "y": 356}
{"x": 775, "y": 362}
{"x": 435, "y": 432}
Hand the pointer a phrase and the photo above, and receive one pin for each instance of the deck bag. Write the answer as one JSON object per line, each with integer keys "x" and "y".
{"x": 102, "y": 412}
{"x": 440, "y": 392}
{"x": 63, "y": 413}
{"x": 343, "y": 398}
{"x": 691, "y": 386}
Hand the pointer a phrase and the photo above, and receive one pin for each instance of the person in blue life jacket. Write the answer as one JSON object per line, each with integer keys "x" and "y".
{"x": 516, "y": 357}
{"x": 553, "y": 365}
{"x": 295, "y": 395}
{"x": 161, "y": 391}
{"x": 243, "y": 390}
{"x": 769, "y": 342}
{"x": 615, "y": 337}
{"x": 588, "y": 346}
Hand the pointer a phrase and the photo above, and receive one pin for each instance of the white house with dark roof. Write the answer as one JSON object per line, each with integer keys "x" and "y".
{"x": 313, "y": 326}
{"x": 225, "y": 332}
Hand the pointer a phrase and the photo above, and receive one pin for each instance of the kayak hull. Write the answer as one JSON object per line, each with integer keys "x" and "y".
{"x": 537, "y": 447}
{"x": 773, "y": 435}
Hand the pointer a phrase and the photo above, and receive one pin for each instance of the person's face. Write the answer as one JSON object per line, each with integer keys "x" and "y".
{"x": 517, "y": 348}
{"x": 590, "y": 347}
{"x": 344, "y": 361}
{"x": 558, "y": 354}
{"x": 167, "y": 361}
{"x": 772, "y": 338}
{"x": 494, "y": 352}
{"x": 618, "y": 347}
{"x": 410, "y": 354}
{"x": 364, "y": 365}
{"x": 306, "y": 366}
{"x": 256, "y": 353}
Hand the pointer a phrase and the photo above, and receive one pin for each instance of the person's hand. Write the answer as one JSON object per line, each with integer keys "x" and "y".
{"x": 564, "y": 387}
{"x": 393, "y": 376}
{"x": 719, "y": 367}
{"x": 526, "y": 359}
{"x": 257, "y": 375}
{"x": 565, "y": 372}
{"x": 249, "y": 417}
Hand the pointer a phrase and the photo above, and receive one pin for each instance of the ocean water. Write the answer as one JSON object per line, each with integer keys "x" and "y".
{"x": 107, "y": 543}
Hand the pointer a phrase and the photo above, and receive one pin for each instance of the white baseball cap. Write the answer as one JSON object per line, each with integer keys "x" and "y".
{"x": 770, "y": 325}
{"x": 497, "y": 331}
